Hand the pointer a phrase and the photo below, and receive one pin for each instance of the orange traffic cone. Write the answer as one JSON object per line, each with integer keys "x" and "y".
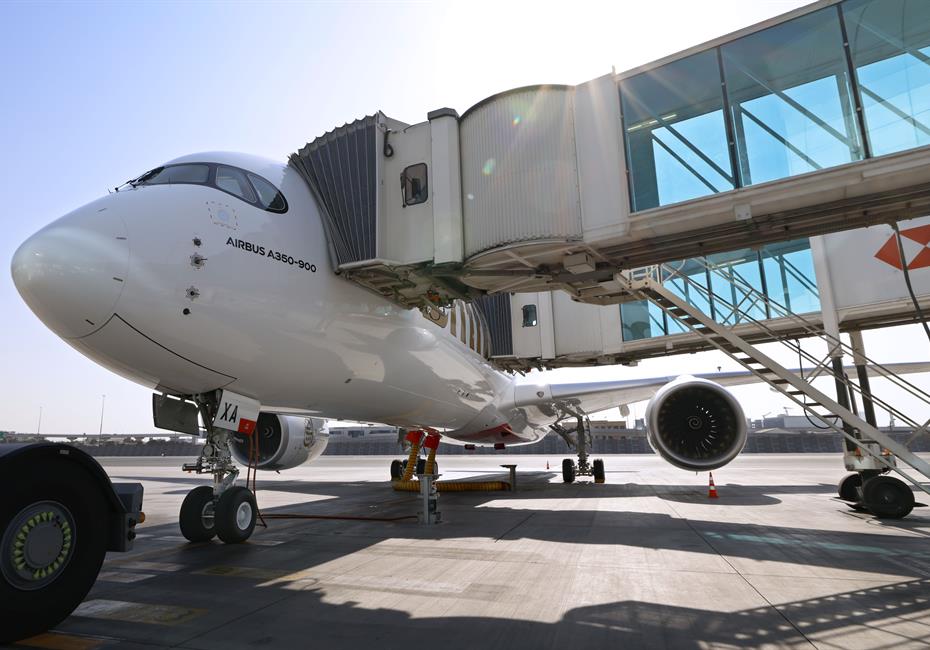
{"x": 711, "y": 488}
{"x": 547, "y": 464}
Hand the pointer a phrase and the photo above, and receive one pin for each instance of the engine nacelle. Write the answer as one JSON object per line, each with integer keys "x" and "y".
{"x": 284, "y": 441}
{"x": 695, "y": 424}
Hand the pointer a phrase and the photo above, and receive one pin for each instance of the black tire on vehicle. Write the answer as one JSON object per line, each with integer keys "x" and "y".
{"x": 568, "y": 470}
{"x": 52, "y": 543}
{"x": 236, "y": 511}
{"x": 421, "y": 466}
{"x": 197, "y": 516}
{"x": 887, "y": 497}
{"x": 397, "y": 469}
{"x": 597, "y": 469}
{"x": 849, "y": 486}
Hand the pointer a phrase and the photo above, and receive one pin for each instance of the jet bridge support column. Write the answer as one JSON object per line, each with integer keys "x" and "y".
{"x": 855, "y": 338}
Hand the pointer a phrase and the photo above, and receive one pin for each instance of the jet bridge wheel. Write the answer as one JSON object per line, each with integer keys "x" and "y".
{"x": 236, "y": 511}
{"x": 887, "y": 497}
{"x": 568, "y": 470}
{"x": 198, "y": 515}
{"x": 52, "y": 544}
{"x": 849, "y": 487}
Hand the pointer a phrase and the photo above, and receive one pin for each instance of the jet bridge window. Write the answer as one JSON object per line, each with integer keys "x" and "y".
{"x": 413, "y": 182}
{"x": 529, "y": 316}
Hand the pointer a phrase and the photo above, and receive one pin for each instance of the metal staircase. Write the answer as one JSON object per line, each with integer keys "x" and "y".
{"x": 871, "y": 448}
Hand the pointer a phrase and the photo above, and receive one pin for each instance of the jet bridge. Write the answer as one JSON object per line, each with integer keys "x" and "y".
{"x": 814, "y": 122}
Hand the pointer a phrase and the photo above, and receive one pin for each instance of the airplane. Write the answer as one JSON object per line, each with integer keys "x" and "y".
{"x": 207, "y": 279}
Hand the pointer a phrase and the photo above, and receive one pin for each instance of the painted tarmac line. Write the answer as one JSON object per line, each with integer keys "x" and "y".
{"x": 123, "y": 576}
{"x": 122, "y": 610}
{"x": 150, "y": 566}
{"x": 58, "y": 641}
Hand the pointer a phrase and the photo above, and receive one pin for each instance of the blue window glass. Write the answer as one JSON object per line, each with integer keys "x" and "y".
{"x": 641, "y": 320}
{"x": 789, "y": 277}
{"x": 733, "y": 300}
{"x": 790, "y": 102}
{"x": 889, "y": 41}
{"x": 675, "y": 134}
{"x": 688, "y": 280}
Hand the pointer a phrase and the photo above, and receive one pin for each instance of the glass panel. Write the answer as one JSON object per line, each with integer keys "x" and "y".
{"x": 675, "y": 134}
{"x": 529, "y": 316}
{"x": 790, "y": 102}
{"x": 693, "y": 290}
{"x": 641, "y": 320}
{"x": 268, "y": 194}
{"x": 789, "y": 276}
{"x": 234, "y": 181}
{"x": 890, "y": 45}
{"x": 734, "y": 299}
{"x": 175, "y": 174}
{"x": 413, "y": 181}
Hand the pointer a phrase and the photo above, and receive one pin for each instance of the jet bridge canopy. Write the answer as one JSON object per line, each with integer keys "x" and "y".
{"x": 814, "y": 122}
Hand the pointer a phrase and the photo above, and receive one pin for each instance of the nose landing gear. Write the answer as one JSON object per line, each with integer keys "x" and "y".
{"x": 225, "y": 510}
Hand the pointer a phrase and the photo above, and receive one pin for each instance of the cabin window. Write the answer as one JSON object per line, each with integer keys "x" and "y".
{"x": 234, "y": 181}
{"x": 413, "y": 182}
{"x": 529, "y": 316}
{"x": 268, "y": 195}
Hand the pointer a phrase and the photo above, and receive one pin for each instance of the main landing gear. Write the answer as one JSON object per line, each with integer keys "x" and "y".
{"x": 415, "y": 439}
{"x": 224, "y": 510}
{"x": 581, "y": 442}
{"x": 884, "y": 496}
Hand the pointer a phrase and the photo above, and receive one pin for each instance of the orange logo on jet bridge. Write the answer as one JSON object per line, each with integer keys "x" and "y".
{"x": 919, "y": 254}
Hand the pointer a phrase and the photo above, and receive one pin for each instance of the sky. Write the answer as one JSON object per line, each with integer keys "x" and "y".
{"x": 96, "y": 93}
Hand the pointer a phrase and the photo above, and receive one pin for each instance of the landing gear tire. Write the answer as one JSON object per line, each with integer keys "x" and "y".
{"x": 597, "y": 469}
{"x": 421, "y": 466}
{"x": 848, "y": 488}
{"x": 198, "y": 515}
{"x": 887, "y": 497}
{"x": 568, "y": 470}
{"x": 235, "y": 515}
{"x": 51, "y": 546}
{"x": 397, "y": 470}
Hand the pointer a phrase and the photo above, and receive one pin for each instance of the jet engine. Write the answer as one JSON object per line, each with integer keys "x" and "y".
{"x": 695, "y": 424}
{"x": 284, "y": 441}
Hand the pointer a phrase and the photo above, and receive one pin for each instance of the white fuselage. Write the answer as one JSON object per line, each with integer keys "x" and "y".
{"x": 187, "y": 289}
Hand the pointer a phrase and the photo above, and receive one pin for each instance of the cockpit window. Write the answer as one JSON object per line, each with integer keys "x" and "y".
{"x": 234, "y": 181}
{"x": 268, "y": 195}
{"x": 175, "y": 174}
{"x": 247, "y": 186}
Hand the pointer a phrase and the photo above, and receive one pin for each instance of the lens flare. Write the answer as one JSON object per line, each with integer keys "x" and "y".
{"x": 488, "y": 168}
{"x": 516, "y": 120}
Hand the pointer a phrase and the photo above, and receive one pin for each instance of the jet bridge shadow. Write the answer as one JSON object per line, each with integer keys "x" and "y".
{"x": 896, "y": 610}
{"x": 474, "y": 516}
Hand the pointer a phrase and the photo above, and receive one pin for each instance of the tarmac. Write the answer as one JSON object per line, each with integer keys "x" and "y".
{"x": 645, "y": 560}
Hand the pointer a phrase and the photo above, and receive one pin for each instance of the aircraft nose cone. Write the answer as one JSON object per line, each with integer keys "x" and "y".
{"x": 71, "y": 272}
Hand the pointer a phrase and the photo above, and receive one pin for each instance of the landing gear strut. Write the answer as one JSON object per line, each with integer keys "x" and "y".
{"x": 224, "y": 510}
{"x": 581, "y": 443}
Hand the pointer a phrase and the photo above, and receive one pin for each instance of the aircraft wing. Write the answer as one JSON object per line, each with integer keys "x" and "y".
{"x": 597, "y": 396}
